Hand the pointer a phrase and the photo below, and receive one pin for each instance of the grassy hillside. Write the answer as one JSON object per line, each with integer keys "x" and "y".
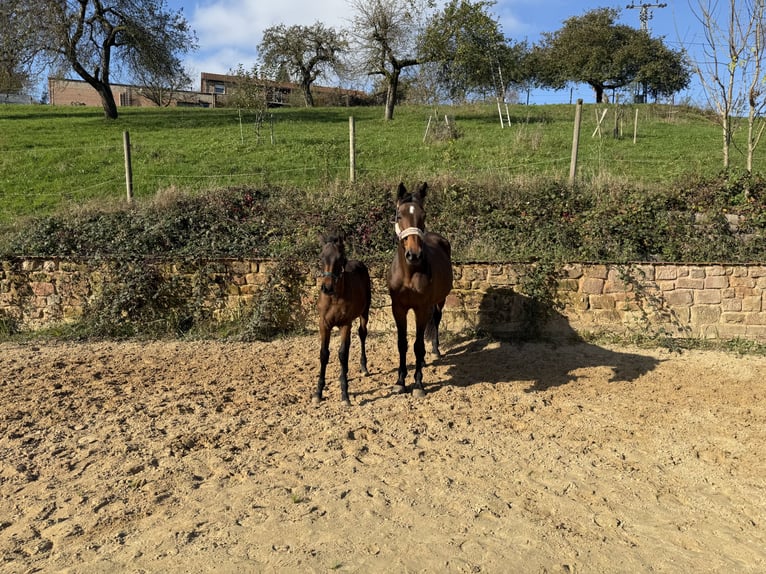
{"x": 65, "y": 156}
{"x": 210, "y": 185}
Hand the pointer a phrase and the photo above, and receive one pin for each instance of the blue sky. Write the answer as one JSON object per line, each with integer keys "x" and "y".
{"x": 229, "y": 30}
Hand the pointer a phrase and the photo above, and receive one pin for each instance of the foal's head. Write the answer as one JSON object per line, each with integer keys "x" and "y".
{"x": 333, "y": 261}
{"x": 410, "y": 221}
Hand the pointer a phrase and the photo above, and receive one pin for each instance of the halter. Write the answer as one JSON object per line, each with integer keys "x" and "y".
{"x": 402, "y": 233}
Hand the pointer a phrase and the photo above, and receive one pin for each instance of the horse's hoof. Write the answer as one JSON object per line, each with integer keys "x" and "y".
{"x": 365, "y": 373}
{"x": 418, "y": 393}
{"x": 315, "y": 399}
{"x": 346, "y": 402}
{"x": 400, "y": 389}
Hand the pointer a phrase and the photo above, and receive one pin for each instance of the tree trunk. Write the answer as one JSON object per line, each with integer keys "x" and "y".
{"x": 393, "y": 85}
{"x": 599, "y": 94}
{"x": 308, "y": 98}
{"x": 107, "y": 100}
{"x": 726, "y": 140}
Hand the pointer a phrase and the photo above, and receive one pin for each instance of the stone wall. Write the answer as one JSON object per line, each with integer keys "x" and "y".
{"x": 706, "y": 301}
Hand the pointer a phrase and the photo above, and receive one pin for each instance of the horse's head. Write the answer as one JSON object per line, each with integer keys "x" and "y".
{"x": 333, "y": 261}
{"x": 410, "y": 221}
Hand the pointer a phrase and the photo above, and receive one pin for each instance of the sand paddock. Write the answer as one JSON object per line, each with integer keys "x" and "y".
{"x": 209, "y": 457}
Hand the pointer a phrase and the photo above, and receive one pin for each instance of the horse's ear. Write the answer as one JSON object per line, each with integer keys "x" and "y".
{"x": 422, "y": 190}
{"x": 401, "y": 191}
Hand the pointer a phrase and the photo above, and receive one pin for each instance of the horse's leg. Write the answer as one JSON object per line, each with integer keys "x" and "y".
{"x": 400, "y": 318}
{"x": 420, "y": 353}
{"x": 324, "y": 356}
{"x": 436, "y": 318}
{"x": 343, "y": 352}
{"x": 363, "y": 342}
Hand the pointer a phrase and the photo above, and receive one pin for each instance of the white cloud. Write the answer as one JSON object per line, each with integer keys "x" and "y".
{"x": 230, "y": 30}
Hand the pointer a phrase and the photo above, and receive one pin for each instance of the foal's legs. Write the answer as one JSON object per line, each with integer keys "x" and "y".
{"x": 324, "y": 356}
{"x": 363, "y": 341}
{"x": 343, "y": 352}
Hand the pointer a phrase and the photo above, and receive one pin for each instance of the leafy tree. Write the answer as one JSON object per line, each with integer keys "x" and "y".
{"x": 18, "y": 40}
{"x": 665, "y": 72}
{"x": 249, "y": 90}
{"x": 305, "y": 52}
{"x": 384, "y": 37}
{"x": 595, "y": 50}
{"x": 91, "y": 37}
{"x": 468, "y": 46}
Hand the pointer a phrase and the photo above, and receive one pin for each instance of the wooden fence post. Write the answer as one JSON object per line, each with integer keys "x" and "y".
{"x": 128, "y": 167}
{"x": 575, "y": 143}
{"x": 351, "y": 149}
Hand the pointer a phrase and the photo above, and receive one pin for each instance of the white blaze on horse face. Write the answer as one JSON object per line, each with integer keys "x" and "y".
{"x": 412, "y": 210}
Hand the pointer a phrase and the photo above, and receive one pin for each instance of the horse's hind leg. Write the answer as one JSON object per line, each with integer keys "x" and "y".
{"x": 363, "y": 343}
{"x": 343, "y": 352}
{"x": 432, "y": 330}
{"x": 324, "y": 357}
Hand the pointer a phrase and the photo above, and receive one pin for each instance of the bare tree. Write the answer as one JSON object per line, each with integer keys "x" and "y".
{"x": 161, "y": 86}
{"x": 729, "y": 55}
{"x": 756, "y": 98}
{"x": 384, "y": 36}
{"x": 306, "y": 52}
{"x": 91, "y": 37}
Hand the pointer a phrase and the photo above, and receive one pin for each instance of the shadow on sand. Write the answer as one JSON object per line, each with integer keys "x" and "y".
{"x": 504, "y": 354}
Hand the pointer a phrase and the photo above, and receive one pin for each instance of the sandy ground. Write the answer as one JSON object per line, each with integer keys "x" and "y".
{"x": 209, "y": 457}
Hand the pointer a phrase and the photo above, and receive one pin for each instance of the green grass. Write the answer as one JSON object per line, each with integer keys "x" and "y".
{"x": 53, "y": 157}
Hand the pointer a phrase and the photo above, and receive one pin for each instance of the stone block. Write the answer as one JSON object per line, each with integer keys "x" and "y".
{"x": 696, "y": 273}
{"x": 666, "y": 273}
{"x": 592, "y": 285}
{"x": 597, "y": 271}
{"x": 705, "y": 314}
{"x": 690, "y": 283}
{"x": 755, "y": 318}
{"x": 679, "y": 297}
{"x": 716, "y": 282}
{"x": 601, "y": 302}
{"x": 707, "y": 297}
{"x": 752, "y": 303}
{"x": 715, "y": 271}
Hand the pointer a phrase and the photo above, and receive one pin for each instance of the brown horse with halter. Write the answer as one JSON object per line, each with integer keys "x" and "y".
{"x": 420, "y": 279}
{"x": 345, "y": 294}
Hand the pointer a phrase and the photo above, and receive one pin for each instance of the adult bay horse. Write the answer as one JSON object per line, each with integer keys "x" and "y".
{"x": 420, "y": 279}
{"x": 345, "y": 294}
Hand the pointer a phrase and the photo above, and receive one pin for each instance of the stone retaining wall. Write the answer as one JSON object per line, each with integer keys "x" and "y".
{"x": 707, "y": 301}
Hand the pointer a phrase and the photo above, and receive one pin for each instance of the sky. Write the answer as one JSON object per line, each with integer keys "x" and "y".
{"x": 228, "y": 31}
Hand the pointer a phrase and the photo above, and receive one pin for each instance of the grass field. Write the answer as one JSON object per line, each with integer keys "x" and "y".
{"x": 52, "y": 157}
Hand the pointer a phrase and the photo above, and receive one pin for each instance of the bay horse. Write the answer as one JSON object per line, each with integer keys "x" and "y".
{"x": 420, "y": 279}
{"x": 345, "y": 293}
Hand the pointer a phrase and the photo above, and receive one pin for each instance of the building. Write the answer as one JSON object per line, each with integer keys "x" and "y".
{"x": 67, "y": 92}
{"x": 214, "y": 92}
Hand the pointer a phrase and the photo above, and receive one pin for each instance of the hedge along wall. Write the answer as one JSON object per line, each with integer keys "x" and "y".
{"x": 707, "y": 301}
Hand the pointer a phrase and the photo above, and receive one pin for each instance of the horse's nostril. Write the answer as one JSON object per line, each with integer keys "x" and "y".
{"x": 412, "y": 256}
